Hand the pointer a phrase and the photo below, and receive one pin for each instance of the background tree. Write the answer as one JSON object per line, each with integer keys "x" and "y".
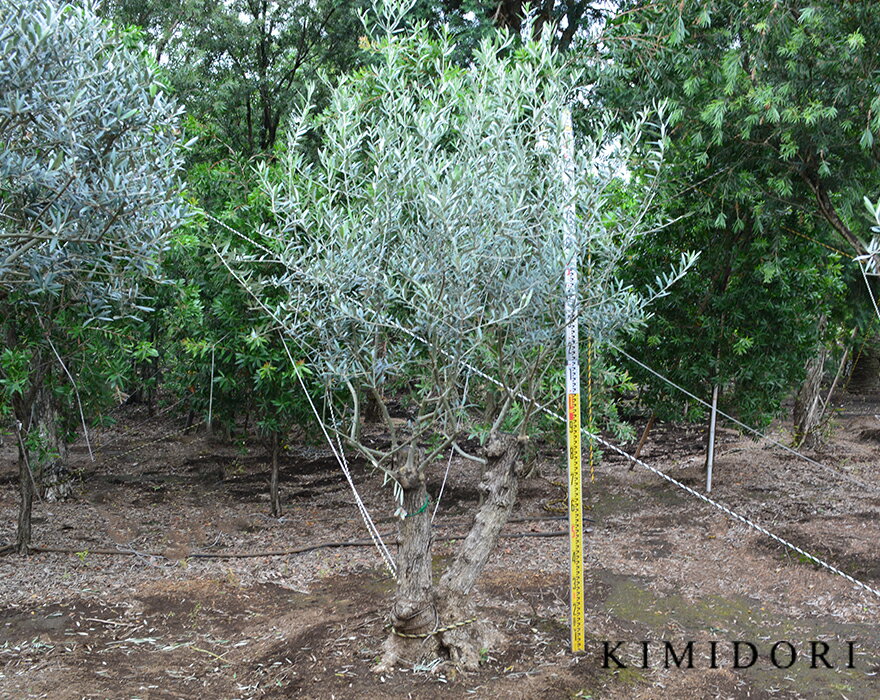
{"x": 239, "y": 66}
{"x": 773, "y": 147}
{"x": 746, "y": 321}
{"x": 427, "y": 233}
{"x": 222, "y": 359}
{"x": 470, "y": 20}
{"x": 89, "y": 161}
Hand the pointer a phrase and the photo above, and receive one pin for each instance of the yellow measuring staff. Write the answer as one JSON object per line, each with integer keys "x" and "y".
{"x": 576, "y": 524}
{"x": 573, "y": 392}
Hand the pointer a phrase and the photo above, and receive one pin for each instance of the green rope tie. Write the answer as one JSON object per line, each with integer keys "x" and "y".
{"x": 420, "y": 510}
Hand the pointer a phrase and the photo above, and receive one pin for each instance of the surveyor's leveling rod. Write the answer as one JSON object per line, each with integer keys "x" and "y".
{"x": 573, "y": 391}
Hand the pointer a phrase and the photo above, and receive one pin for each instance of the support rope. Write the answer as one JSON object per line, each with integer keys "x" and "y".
{"x": 754, "y": 431}
{"x": 731, "y": 513}
{"x": 868, "y": 285}
{"x": 589, "y": 435}
{"x": 743, "y": 519}
{"x": 338, "y": 454}
{"x": 343, "y": 462}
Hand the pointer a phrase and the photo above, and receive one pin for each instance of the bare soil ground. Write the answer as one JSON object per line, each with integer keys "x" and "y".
{"x": 157, "y": 620}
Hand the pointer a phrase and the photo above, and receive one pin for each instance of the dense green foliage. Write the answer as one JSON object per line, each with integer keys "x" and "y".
{"x": 777, "y": 104}
{"x": 239, "y": 67}
{"x": 747, "y": 320}
{"x": 776, "y": 110}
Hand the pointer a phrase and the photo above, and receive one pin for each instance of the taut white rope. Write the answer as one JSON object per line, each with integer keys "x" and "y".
{"x": 666, "y": 477}
{"x": 338, "y": 454}
{"x": 754, "y": 431}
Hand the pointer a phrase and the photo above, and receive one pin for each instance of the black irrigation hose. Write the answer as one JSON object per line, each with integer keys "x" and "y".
{"x": 271, "y": 553}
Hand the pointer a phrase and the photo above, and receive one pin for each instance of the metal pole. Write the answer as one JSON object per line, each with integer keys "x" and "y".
{"x": 211, "y": 394}
{"x": 710, "y": 458}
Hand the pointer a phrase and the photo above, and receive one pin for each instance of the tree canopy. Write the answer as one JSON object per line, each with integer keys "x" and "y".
{"x": 90, "y": 154}
{"x": 89, "y": 189}
{"x": 772, "y": 149}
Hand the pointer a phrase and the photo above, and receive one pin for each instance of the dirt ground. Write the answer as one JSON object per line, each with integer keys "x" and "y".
{"x": 156, "y": 619}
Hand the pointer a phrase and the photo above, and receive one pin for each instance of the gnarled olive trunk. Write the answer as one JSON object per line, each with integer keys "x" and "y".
{"x": 428, "y": 620}
{"x": 414, "y": 611}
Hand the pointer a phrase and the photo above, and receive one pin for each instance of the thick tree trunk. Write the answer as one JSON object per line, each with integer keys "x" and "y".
{"x": 414, "y": 612}
{"x": 500, "y": 485}
{"x": 439, "y": 620}
{"x": 372, "y": 409}
{"x": 413, "y": 606}
{"x": 274, "y": 495}
{"x": 808, "y": 410}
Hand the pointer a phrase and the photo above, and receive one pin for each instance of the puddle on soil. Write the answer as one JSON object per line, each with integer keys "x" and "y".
{"x": 728, "y": 619}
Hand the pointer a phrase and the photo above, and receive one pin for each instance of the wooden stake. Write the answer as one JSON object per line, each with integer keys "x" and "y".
{"x": 643, "y": 439}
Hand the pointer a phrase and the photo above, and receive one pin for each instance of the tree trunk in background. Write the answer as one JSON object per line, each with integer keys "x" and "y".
{"x": 25, "y": 503}
{"x": 50, "y": 466}
{"x": 43, "y": 468}
{"x": 643, "y": 439}
{"x": 274, "y": 495}
{"x": 865, "y": 377}
{"x": 808, "y": 410}
{"x": 372, "y": 411}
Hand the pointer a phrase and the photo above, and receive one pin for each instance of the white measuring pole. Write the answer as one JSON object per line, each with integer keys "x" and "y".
{"x": 573, "y": 389}
{"x": 710, "y": 458}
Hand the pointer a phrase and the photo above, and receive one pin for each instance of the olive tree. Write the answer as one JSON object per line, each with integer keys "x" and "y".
{"x": 424, "y": 243}
{"x": 88, "y": 187}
